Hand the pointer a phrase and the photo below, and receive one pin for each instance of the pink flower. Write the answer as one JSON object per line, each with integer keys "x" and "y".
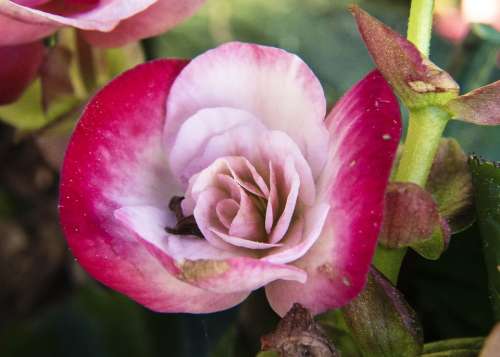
{"x": 107, "y": 23}
{"x": 275, "y": 195}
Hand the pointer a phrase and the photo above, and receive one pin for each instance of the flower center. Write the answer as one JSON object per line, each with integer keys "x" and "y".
{"x": 186, "y": 225}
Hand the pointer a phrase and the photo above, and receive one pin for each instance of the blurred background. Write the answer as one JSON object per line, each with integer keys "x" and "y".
{"x": 50, "y": 307}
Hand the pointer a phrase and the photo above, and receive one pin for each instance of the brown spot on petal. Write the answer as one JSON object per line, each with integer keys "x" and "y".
{"x": 195, "y": 270}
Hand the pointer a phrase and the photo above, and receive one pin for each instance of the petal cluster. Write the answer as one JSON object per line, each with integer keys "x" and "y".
{"x": 188, "y": 185}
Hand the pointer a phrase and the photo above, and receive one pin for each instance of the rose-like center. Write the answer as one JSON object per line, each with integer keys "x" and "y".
{"x": 236, "y": 204}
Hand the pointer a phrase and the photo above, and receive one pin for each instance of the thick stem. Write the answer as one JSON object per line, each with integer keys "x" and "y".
{"x": 422, "y": 141}
{"x": 426, "y": 125}
{"x": 420, "y": 24}
{"x": 425, "y": 128}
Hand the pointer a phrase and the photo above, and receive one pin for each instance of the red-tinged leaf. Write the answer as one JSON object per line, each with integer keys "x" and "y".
{"x": 416, "y": 80}
{"x": 382, "y": 322}
{"x": 481, "y": 106}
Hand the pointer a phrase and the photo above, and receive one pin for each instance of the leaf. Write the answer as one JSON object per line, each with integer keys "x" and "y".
{"x": 450, "y": 183}
{"x": 382, "y": 322}
{"x": 486, "y": 181}
{"x": 480, "y": 106}
{"x": 467, "y": 344}
{"x": 416, "y": 80}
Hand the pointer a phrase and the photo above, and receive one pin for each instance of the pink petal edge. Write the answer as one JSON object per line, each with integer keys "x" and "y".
{"x": 115, "y": 158}
{"x": 365, "y": 128}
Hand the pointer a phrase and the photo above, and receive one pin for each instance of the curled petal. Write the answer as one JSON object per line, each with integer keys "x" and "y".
{"x": 156, "y": 19}
{"x": 273, "y": 85}
{"x": 114, "y": 159}
{"x": 103, "y": 16}
{"x": 365, "y": 128}
{"x": 237, "y": 274}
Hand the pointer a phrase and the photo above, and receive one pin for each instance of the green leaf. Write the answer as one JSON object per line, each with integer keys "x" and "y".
{"x": 469, "y": 343}
{"x": 486, "y": 181}
{"x": 381, "y": 321}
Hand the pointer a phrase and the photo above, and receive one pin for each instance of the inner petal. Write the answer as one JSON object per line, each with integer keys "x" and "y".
{"x": 290, "y": 182}
{"x": 244, "y": 243}
{"x": 248, "y": 222}
{"x": 226, "y": 211}
{"x": 195, "y": 133}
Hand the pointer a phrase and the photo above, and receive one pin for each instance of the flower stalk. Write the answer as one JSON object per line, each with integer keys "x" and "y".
{"x": 426, "y": 126}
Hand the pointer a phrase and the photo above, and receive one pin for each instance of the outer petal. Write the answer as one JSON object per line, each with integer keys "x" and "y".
{"x": 115, "y": 159}
{"x": 209, "y": 268}
{"x": 19, "y": 66}
{"x": 365, "y": 130}
{"x": 16, "y": 32}
{"x": 102, "y": 17}
{"x": 275, "y": 86}
{"x": 160, "y": 17}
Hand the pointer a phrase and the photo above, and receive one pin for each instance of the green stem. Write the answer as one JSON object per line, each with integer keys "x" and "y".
{"x": 426, "y": 126}
{"x": 420, "y": 24}
{"x": 422, "y": 141}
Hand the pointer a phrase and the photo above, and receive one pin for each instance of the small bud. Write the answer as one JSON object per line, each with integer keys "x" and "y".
{"x": 412, "y": 219}
{"x": 299, "y": 335}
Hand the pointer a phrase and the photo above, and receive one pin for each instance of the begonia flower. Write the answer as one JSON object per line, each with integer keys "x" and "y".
{"x": 107, "y": 23}
{"x": 187, "y": 185}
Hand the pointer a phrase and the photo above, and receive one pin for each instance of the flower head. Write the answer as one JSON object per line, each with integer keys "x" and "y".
{"x": 108, "y": 23}
{"x": 188, "y": 185}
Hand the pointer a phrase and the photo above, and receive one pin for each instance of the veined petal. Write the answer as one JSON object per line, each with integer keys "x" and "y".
{"x": 365, "y": 128}
{"x": 156, "y": 19}
{"x": 275, "y": 86}
{"x": 115, "y": 158}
